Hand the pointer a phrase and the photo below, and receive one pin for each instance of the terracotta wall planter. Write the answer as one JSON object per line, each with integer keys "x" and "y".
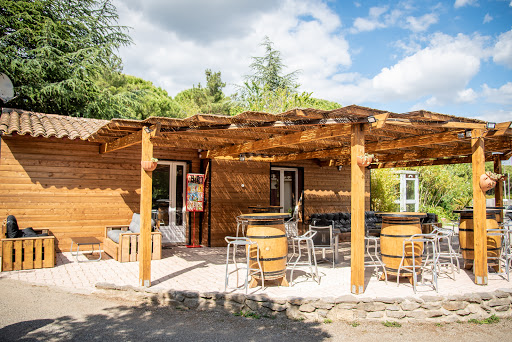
{"x": 486, "y": 183}
{"x": 364, "y": 160}
{"x": 148, "y": 165}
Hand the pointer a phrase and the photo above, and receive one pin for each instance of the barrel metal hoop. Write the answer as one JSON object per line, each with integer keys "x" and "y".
{"x": 266, "y": 223}
{"x": 269, "y": 259}
{"x": 400, "y": 222}
{"x": 396, "y": 236}
{"x": 265, "y": 236}
{"x": 399, "y": 256}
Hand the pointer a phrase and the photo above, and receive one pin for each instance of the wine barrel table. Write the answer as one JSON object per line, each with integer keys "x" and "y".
{"x": 467, "y": 237}
{"x": 396, "y": 227}
{"x": 268, "y": 230}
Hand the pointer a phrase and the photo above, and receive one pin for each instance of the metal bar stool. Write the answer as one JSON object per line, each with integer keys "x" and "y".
{"x": 307, "y": 239}
{"x": 246, "y": 243}
{"x": 375, "y": 260}
{"x": 241, "y": 223}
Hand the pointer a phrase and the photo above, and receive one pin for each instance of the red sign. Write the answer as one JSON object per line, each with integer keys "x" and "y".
{"x": 195, "y": 192}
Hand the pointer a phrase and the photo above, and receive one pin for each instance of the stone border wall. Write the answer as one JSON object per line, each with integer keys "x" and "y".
{"x": 345, "y": 308}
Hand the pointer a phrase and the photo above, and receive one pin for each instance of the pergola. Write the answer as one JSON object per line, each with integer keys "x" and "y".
{"x": 331, "y": 138}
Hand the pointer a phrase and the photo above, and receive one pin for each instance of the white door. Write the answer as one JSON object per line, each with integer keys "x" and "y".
{"x": 284, "y": 188}
{"x": 169, "y": 186}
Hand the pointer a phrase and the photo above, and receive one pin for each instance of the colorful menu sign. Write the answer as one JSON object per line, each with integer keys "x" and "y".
{"x": 195, "y": 192}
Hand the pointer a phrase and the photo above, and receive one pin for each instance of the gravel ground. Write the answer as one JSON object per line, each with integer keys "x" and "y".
{"x": 37, "y": 313}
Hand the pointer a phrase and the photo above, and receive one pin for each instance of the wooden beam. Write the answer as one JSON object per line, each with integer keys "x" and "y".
{"x": 283, "y": 140}
{"x": 146, "y": 183}
{"x": 450, "y": 124}
{"x": 498, "y": 190}
{"x": 128, "y": 140}
{"x": 357, "y": 208}
{"x": 479, "y": 209}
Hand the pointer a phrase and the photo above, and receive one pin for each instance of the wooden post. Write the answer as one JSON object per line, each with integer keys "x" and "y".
{"x": 479, "y": 208}
{"x": 498, "y": 190}
{"x": 357, "y": 192}
{"x": 146, "y": 183}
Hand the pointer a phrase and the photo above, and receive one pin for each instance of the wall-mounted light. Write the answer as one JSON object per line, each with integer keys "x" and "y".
{"x": 371, "y": 119}
{"x": 490, "y": 125}
{"x": 241, "y": 157}
{"x": 340, "y": 167}
{"x": 461, "y": 135}
{"x": 468, "y": 134}
{"x": 199, "y": 153}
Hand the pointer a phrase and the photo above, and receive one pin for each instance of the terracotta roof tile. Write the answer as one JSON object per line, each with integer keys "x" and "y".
{"x": 47, "y": 125}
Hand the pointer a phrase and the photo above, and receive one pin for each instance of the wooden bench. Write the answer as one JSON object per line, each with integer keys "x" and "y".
{"x": 27, "y": 253}
{"x": 128, "y": 247}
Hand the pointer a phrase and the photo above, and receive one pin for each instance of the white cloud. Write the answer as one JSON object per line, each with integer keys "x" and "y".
{"x": 418, "y": 24}
{"x": 306, "y": 33}
{"x": 372, "y": 22}
{"x": 496, "y": 115}
{"x": 462, "y": 3}
{"x": 503, "y": 49}
{"x": 439, "y": 72}
{"x": 501, "y": 95}
{"x": 488, "y": 18}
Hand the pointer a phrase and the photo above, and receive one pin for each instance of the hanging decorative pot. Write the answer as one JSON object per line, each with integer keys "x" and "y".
{"x": 486, "y": 183}
{"x": 149, "y": 165}
{"x": 365, "y": 160}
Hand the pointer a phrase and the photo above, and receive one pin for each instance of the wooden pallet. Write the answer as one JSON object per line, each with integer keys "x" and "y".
{"x": 128, "y": 247}
{"x": 28, "y": 253}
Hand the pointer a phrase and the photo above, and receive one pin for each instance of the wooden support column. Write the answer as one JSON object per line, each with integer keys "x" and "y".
{"x": 357, "y": 192}
{"x": 479, "y": 208}
{"x": 498, "y": 190}
{"x": 146, "y": 183}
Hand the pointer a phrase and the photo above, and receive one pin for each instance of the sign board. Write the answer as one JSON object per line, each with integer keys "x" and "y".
{"x": 195, "y": 192}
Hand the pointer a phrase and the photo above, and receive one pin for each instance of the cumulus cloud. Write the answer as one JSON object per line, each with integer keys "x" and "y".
{"x": 418, "y": 24}
{"x": 503, "y": 49}
{"x": 501, "y": 95}
{"x": 462, "y": 3}
{"x": 488, "y": 18}
{"x": 372, "y": 22}
{"x": 440, "y": 72}
{"x": 306, "y": 33}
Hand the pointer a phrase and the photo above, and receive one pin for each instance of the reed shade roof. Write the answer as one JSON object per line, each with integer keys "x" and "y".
{"x": 416, "y": 138}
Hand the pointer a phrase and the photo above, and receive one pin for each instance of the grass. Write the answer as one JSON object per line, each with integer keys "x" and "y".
{"x": 489, "y": 320}
{"x": 355, "y": 324}
{"x": 392, "y": 324}
{"x": 327, "y": 321}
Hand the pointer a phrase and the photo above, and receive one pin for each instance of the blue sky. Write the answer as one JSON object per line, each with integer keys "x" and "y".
{"x": 452, "y": 57}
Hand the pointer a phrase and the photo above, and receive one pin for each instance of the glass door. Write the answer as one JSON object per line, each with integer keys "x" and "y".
{"x": 284, "y": 188}
{"x": 169, "y": 200}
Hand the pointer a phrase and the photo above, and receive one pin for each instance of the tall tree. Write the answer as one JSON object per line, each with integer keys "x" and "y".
{"x": 54, "y": 51}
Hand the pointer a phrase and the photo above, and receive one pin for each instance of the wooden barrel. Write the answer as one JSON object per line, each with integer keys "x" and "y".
{"x": 394, "y": 230}
{"x": 268, "y": 231}
{"x": 467, "y": 238}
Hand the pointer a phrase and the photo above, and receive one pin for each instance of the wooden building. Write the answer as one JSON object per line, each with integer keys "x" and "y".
{"x": 75, "y": 176}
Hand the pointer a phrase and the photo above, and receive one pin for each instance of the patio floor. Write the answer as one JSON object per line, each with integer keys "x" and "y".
{"x": 203, "y": 270}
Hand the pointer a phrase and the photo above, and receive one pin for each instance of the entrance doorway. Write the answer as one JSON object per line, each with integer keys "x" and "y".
{"x": 284, "y": 188}
{"x": 169, "y": 186}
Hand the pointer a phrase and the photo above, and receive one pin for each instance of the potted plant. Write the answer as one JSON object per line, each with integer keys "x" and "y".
{"x": 365, "y": 160}
{"x": 149, "y": 165}
{"x": 489, "y": 179}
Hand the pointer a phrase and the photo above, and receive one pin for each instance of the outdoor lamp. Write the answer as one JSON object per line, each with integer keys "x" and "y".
{"x": 241, "y": 157}
{"x": 371, "y": 119}
{"x": 468, "y": 134}
{"x": 490, "y": 125}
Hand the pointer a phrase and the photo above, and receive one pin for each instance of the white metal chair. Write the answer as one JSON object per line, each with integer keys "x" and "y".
{"x": 241, "y": 224}
{"x": 234, "y": 242}
{"x": 375, "y": 261}
{"x": 305, "y": 240}
{"x": 504, "y": 258}
{"x": 324, "y": 239}
{"x": 446, "y": 255}
{"x": 419, "y": 256}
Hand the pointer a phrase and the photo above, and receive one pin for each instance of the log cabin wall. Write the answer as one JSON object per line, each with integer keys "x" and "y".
{"x": 66, "y": 186}
{"x": 325, "y": 190}
{"x": 230, "y": 199}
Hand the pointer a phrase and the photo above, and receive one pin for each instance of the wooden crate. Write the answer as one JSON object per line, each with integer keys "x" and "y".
{"x": 128, "y": 247}
{"x": 28, "y": 253}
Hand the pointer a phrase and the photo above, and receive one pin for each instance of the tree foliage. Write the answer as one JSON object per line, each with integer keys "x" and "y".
{"x": 206, "y": 100}
{"x": 54, "y": 51}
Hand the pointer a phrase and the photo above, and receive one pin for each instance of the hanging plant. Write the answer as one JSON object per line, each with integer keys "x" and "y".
{"x": 489, "y": 179}
{"x": 365, "y": 160}
{"x": 149, "y": 165}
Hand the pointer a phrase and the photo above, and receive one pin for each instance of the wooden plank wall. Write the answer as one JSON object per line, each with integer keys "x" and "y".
{"x": 230, "y": 199}
{"x": 68, "y": 187}
{"x": 325, "y": 189}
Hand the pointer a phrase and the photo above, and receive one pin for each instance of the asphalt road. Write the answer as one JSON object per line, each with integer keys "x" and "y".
{"x": 34, "y": 313}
